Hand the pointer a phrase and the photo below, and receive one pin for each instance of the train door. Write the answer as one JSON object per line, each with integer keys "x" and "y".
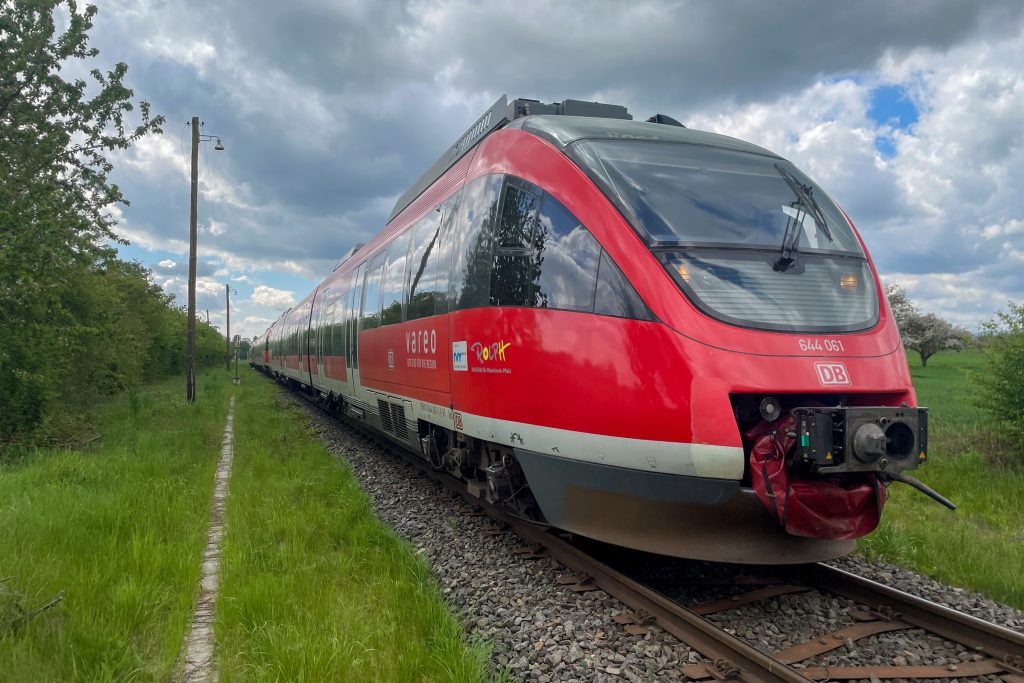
{"x": 309, "y": 345}
{"x": 340, "y": 377}
{"x": 369, "y": 319}
{"x": 320, "y": 332}
{"x": 355, "y": 299}
{"x": 471, "y": 239}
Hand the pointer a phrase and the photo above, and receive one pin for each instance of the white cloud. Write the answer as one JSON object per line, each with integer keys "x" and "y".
{"x": 253, "y": 325}
{"x": 328, "y": 110}
{"x": 272, "y": 298}
{"x": 167, "y": 263}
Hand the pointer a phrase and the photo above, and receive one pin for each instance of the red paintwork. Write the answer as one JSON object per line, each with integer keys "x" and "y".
{"x": 334, "y": 368}
{"x": 667, "y": 380}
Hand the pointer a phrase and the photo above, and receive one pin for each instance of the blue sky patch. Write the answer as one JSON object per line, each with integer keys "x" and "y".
{"x": 891, "y": 106}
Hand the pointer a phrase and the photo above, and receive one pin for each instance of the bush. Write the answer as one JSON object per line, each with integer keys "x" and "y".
{"x": 1001, "y": 388}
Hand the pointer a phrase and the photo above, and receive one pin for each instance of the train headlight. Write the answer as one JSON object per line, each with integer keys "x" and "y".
{"x": 770, "y": 409}
{"x": 849, "y": 282}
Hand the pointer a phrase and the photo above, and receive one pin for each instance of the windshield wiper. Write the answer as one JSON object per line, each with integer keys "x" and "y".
{"x": 805, "y": 204}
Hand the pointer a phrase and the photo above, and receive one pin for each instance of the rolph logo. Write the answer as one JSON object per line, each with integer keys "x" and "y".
{"x": 830, "y": 374}
{"x": 495, "y": 351}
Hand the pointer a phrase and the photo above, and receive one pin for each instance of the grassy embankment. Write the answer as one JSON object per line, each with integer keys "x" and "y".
{"x": 313, "y": 586}
{"x": 119, "y": 530}
{"x": 980, "y": 545}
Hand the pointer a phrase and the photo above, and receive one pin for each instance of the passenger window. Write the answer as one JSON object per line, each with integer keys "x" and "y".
{"x": 394, "y": 280}
{"x": 371, "y": 294}
{"x": 450, "y": 211}
{"x": 473, "y": 243}
{"x": 423, "y": 266}
{"x": 616, "y": 296}
{"x": 336, "y": 316}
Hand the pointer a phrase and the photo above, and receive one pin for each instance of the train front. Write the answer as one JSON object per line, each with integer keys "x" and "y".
{"x": 789, "y": 347}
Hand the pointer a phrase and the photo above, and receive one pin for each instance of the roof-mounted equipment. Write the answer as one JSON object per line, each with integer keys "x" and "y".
{"x": 665, "y": 119}
{"x": 499, "y": 115}
{"x": 348, "y": 254}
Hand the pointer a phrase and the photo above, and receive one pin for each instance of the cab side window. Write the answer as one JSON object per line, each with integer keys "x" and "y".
{"x": 545, "y": 257}
{"x": 615, "y": 296}
{"x": 515, "y": 268}
{"x": 567, "y": 256}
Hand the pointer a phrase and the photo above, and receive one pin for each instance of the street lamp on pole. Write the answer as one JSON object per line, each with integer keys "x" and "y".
{"x": 228, "y": 291}
{"x": 190, "y": 342}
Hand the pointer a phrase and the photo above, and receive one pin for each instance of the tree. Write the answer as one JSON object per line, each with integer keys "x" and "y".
{"x": 899, "y": 301}
{"x": 56, "y": 226}
{"x": 925, "y": 333}
{"x": 1001, "y": 388}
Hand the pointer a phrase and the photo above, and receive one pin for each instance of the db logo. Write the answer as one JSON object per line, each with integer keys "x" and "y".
{"x": 832, "y": 373}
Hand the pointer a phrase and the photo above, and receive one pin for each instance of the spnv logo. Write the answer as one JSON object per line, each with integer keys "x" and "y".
{"x": 830, "y": 374}
{"x": 460, "y": 356}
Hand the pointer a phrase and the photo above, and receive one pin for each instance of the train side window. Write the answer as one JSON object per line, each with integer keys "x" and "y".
{"x": 334, "y": 336}
{"x": 423, "y": 266}
{"x": 450, "y": 211}
{"x": 393, "y": 287}
{"x": 615, "y": 295}
{"x": 321, "y": 330}
{"x": 473, "y": 243}
{"x": 370, "y": 316}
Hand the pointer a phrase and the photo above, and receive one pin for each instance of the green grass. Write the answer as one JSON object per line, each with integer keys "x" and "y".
{"x": 119, "y": 530}
{"x": 313, "y": 587}
{"x": 981, "y": 545}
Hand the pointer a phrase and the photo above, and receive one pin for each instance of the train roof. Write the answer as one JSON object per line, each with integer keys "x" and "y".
{"x": 563, "y": 123}
{"x": 562, "y": 131}
{"x": 497, "y": 116}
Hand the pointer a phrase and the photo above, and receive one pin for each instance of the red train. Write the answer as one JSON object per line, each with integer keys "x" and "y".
{"x": 657, "y": 337}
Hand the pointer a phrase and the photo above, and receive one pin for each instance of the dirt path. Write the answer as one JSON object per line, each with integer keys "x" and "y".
{"x": 199, "y": 646}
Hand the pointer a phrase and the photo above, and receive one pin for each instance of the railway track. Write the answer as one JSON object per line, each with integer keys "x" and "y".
{"x": 882, "y": 610}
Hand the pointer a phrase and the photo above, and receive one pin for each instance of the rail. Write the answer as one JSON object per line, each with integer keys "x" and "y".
{"x": 729, "y": 657}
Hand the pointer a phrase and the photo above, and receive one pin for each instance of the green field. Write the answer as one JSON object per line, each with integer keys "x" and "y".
{"x": 981, "y": 545}
{"x": 118, "y": 530}
{"x": 312, "y": 586}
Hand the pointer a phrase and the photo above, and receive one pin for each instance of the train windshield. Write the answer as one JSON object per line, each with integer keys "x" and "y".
{"x": 748, "y": 237}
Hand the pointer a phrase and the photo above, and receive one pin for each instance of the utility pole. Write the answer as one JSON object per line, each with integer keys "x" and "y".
{"x": 227, "y": 337}
{"x": 193, "y": 216}
{"x": 190, "y": 344}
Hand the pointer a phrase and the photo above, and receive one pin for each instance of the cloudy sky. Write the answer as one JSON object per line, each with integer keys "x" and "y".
{"x": 910, "y": 114}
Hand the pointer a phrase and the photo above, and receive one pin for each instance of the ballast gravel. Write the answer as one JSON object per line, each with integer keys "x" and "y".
{"x": 542, "y": 631}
